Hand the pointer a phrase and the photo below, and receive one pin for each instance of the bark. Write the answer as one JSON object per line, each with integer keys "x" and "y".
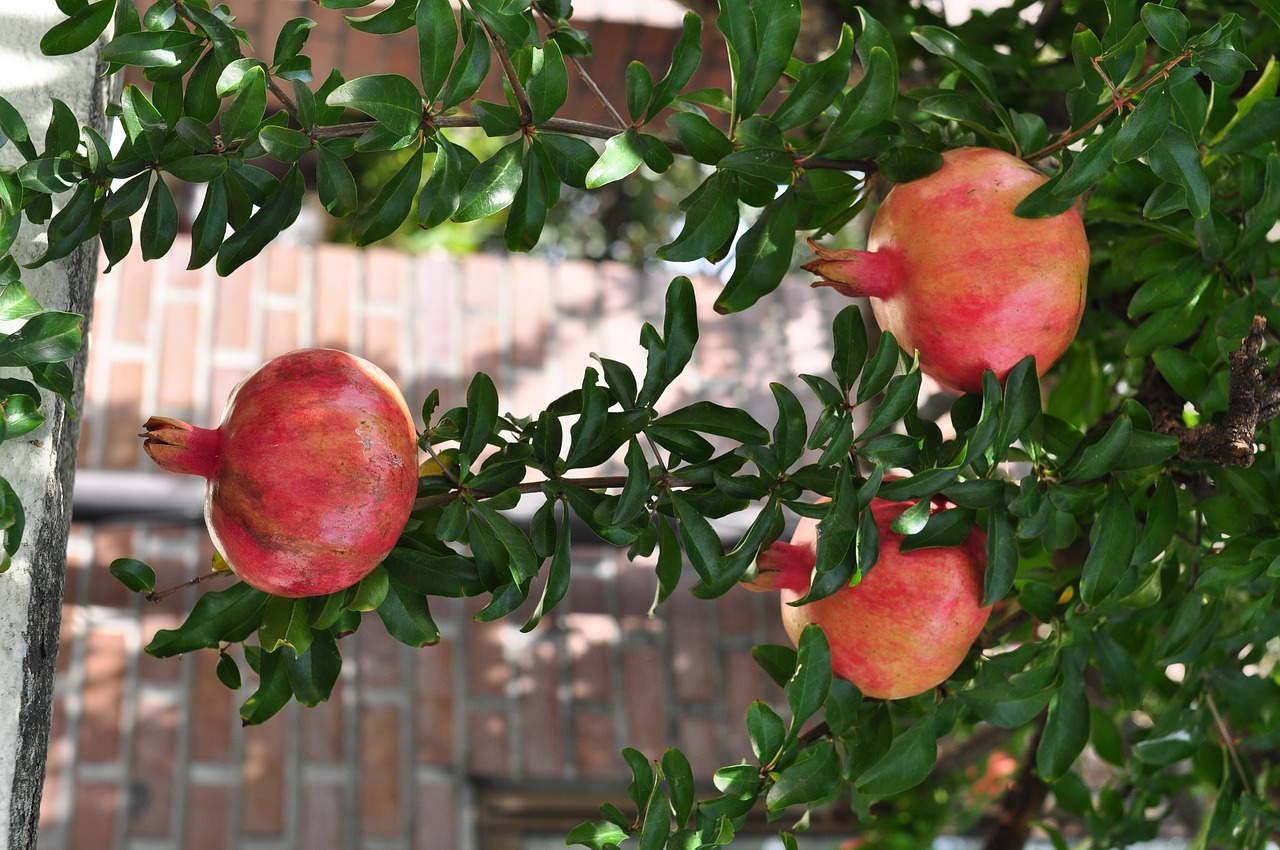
{"x": 41, "y": 465}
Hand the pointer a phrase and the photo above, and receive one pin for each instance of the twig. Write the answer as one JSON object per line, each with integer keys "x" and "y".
{"x": 1127, "y": 97}
{"x": 1228, "y": 739}
{"x": 600, "y": 482}
{"x": 157, "y": 595}
{"x": 521, "y": 96}
{"x": 283, "y": 97}
{"x": 586, "y": 78}
{"x": 1022, "y": 802}
{"x": 1251, "y": 400}
{"x": 445, "y": 470}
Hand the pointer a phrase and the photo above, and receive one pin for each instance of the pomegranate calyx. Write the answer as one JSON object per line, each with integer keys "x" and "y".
{"x": 782, "y": 566}
{"x": 179, "y": 447}
{"x": 857, "y": 274}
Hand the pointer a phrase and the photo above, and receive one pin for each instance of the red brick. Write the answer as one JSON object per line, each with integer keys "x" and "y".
{"x": 93, "y": 817}
{"x": 102, "y": 696}
{"x": 234, "y": 307}
{"x": 323, "y": 728}
{"x": 133, "y": 301}
{"x": 541, "y": 710}
{"x": 110, "y": 542}
{"x": 284, "y": 268}
{"x": 530, "y": 298}
{"x": 211, "y": 710}
{"x": 487, "y": 669}
{"x": 210, "y": 828}
{"x": 154, "y": 618}
{"x": 590, "y": 640}
{"x": 691, "y": 647}
{"x": 281, "y": 333}
{"x": 699, "y": 739}
{"x": 121, "y": 446}
{"x": 482, "y": 348}
{"x": 596, "y": 750}
{"x": 744, "y": 682}
{"x": 620, "y": 319}
{"x": 154, "y": 746}
{"x": 222, "y": 381}
{"x": 483, "y": 282}
{"x": 738, "y": 612}
{"x": 384, "y": 275}
{"x": 378, "y": 655}
{"x": 436, "y": 817}
{"x": 380, "y": 809}
{"x": 325, "y": 816}
{"x": 262, "y": 774}
{"x": 435, "y": 302}
{"x": 336, "y": 272}
{"x": 487, "y": 732}
{"x": 176, "y": 394}
{"x": 433, "y": 704}
{"x": 382, "y": 335}
{"x": 646, "y": 699}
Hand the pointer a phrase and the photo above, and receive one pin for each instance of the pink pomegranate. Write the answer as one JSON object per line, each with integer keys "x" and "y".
{"x": 906, "y": 626}
{"x": 312, "y": 473}
{"x": 954, "y": 274}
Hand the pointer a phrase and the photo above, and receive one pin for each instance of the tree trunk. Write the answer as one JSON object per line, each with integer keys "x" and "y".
{"x": 39, "y": 466}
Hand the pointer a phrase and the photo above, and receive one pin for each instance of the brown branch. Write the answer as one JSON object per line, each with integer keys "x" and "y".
{"x": 157, "y": 595}
{"x": 1251, "y": 400}
{"x": 1228, "y": 739}
{"x": 1022, "y": 802}
{"x": 599, "y": 482}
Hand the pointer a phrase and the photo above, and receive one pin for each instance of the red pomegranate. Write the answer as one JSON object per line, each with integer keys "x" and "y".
{"x": 954, "y": 274}
{"x": 906, "y": 626}
{"x": 312, "y": 473}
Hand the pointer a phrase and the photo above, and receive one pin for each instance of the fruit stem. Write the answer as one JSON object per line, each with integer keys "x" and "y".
{"x": 178, "y": 447}
{"x": 857, "y": 274}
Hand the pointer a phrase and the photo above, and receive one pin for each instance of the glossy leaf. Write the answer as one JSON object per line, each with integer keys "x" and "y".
{"x": 1111, "y": 546}
{"x": 380, "y": 218}
{"x": 762, "y": 256}
{"x": 908, "y": 762}
{"x": 711, "y": 220}
{"x": 390, "y": 99}
{"x": 492, "y": 185}
{"x": 218, "y": 616}
{"x": 684, "y": 62}
{"x": 437, "y": 31}
{"x": 622, "y": 155}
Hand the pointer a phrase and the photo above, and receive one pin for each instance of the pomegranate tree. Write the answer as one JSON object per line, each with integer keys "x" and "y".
{"x": 312, "y": 473}
{"x": 954, "y": 274}
{"x": 906, "y": 626}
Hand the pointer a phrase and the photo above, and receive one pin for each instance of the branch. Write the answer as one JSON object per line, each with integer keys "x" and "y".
{"x": 600, "y": 482}
{"x": 1022, "y": 802}
{"x": 1251, "y": 400}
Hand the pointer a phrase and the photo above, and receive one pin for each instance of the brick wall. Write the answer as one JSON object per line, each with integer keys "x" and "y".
{"x": 415, "y": 744}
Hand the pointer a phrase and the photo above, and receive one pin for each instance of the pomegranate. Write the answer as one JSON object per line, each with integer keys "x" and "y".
{"x": 954, "y": 274}
{"x": 906, "y": 626}
{"x": 312, "y": 473}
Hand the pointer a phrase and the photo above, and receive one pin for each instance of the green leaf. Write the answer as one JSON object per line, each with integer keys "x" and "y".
{"x": 143, "y": 124}
{"x": 704, "y": 141}
{"x": 871, "y": 101}
{"x": 313, "y": 673}
{"x": 492, "y": 185}
{"x": 710, "y": 418}
{"x": 285, "y": 623}
{"x": 907, "y": 763}
{"x": 1067, "y": 729}
{"x": 335, "y": 184}
{"x": 390, "y": 99}
{"x": 807, "y": 688}
{"x": 78, "y": 31}
{"x": 766, "y": 731}
{"x": 217, "y": 617}
{"x": 393, "y": 204}
{"x": 228, "y": 671}
{"x": 133, "y": 574}
{"x": 284, "y": 143}
{"x": 397, "y": 17}
{"x": 941, "y": 42}
{"x": 812, "y": 777}
{"x": 1144, "y": 126}
{"x": 273, "y": 692}
{"x": 1089, "y": 166}
{"x": 776, "y": 26}
{"x": 13, "y": 128}
{"x": 622, "y": 155}
{"x": 1096, "y": 457}
{"x": 165, "y": 49}
{"x": 680, "y": 784}
{"x": 1168, "y": 26}
{"x": 1112, "y": 542}
{"x": 669, "y": 353}
{"x": 279, "y": 211}
{"x": 1175, "y": 158}
{"x": 407, "y": 617}
{"x": 597, "y": 836}
{"x": 291, "y": 39}
{"x": 702, "y": 545}
{"x": 684, "y": 62}
{"x": 159, "y": 223}
{"x": 248, "y": 105}
{"x": 762, "y": 256}
{"x": 790, "y": 430}
{"x": 570, "y": 158}
{"x": 46, "y": 337}
{"x": 1002, "y": 556}
{"x": 638, "y": 83}
{"x": 769, "y": 164}
{"x": 899, "y": 398}
{"x": 816, "y": 86}
{"x": 528, "y": 213}
{"x": 482, "y": 416}
{"x": 210, "y": 226}
{"x": 471, "y": 67}
{"x": 437, "y": 38}
{"x": 711, "y": 220}
{"x": 548, "y": 86}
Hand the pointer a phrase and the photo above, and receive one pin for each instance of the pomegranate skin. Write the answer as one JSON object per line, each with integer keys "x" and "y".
{"x": 906, "y": 626}
{"x": 312, "y": 473}
{"x": 954, "y": 274}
